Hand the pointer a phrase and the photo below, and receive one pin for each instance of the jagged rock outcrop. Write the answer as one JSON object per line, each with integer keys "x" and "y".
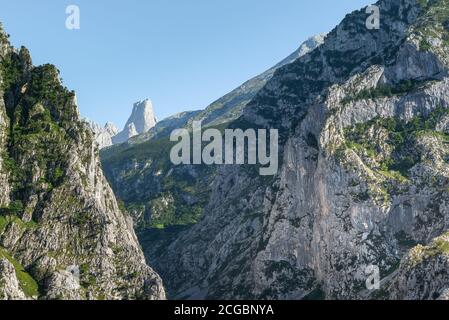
{"x": 142, "y": 116}
{"x": 424, "y": 273}
{"x": 363, "y": 178}
{"x": 103, "y": 135}
{"x": 9, "y": 284}
{"x": 57, "y": 211}
{"x": 142, "y": 119}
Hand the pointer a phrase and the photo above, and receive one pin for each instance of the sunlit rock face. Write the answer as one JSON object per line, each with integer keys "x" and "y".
{"x": 103, "y": 135}
{"x": 58, "y": 213}
{"x": 142, "y": 119}
{"x": 363, "y": 181}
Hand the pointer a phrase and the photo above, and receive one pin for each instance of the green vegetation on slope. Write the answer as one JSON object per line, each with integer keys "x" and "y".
{"x": 381, "y": 91}
{"x": 28, "y": 285}
{"x": 421, "y": 254}
{"x": 401, "y": 136}
{"x": 41, "y": 114}
{"x": 389, "y": 148}
{"x": 158, "y": 194}
{"x": 433, "y": 23}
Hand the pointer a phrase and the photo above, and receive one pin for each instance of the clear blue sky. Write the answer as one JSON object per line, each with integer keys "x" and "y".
{"x": 183, "y": 54}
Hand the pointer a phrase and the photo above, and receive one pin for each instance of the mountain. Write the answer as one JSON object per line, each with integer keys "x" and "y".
{"x": 103, "y": 135}
{"x": 142, "y": 119}
{"x": 362, "y": 183}
{"x": 62, "y": 233}
{"x": 142, "y": 175}
{"x": 230, "y": 106}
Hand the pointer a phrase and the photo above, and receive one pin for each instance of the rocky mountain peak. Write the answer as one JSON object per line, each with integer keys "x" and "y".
{"x": 111, "y": 128}
{"x": 142, "y": 116}
{"x": 142, "y": 119}
{"x": 103, "y": 135}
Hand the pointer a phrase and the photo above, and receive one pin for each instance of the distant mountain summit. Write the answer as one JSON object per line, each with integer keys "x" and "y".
{"x": 230, "y": 106}
{"x": 142, "y": 124}
{"x": 142, "y": 119}
{"x": 142, "y": 116}
{"x": 103, "y": 135}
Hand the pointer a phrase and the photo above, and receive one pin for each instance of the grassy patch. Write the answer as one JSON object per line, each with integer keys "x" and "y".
{"x": 419, "y": 254}
{"x": 3, "y": 223}
{"x": 15, "y": 208}
{"x": 28, "y": 285}
{"x": 439, "y": 246}
{"x": 5, "y": 220}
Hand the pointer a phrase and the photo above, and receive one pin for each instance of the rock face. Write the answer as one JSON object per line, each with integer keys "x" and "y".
{"x": 363, "y": 181}
{"x": 4, "y": 126}
{"x": 9, "y": 284}
{"x": 103, "y": 136}
{"x": 142, "y": 119}
{"x": 142, "y": 116}
{"x": 424, "y": 272}
{"x": 128, "y": 132}
{"x": 61, "y": 229}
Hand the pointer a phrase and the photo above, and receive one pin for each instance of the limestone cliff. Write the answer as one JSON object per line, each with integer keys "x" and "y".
{"x": 103, "y": 135}
{"x": 62, "y": 234}
{"x": 363, "y": 122}
{"x": 142, "y": 119}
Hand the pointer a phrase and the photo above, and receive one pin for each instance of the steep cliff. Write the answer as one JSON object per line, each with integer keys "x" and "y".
{"x": 61, "y": 231}
{"x": 364, "y": 174}
{"x": 103, "y": 135}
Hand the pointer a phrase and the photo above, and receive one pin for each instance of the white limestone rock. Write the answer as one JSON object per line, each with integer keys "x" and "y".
{"x": 9, "y": 284}
{"x": 142, "y": 120}
{"x": 104, "y": 135}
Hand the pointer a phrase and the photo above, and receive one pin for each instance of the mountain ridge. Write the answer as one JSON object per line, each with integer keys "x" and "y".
{"x": 147, "y": 155}
{"x": 57, "y": 211}
{"x": 363, "y": 130}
